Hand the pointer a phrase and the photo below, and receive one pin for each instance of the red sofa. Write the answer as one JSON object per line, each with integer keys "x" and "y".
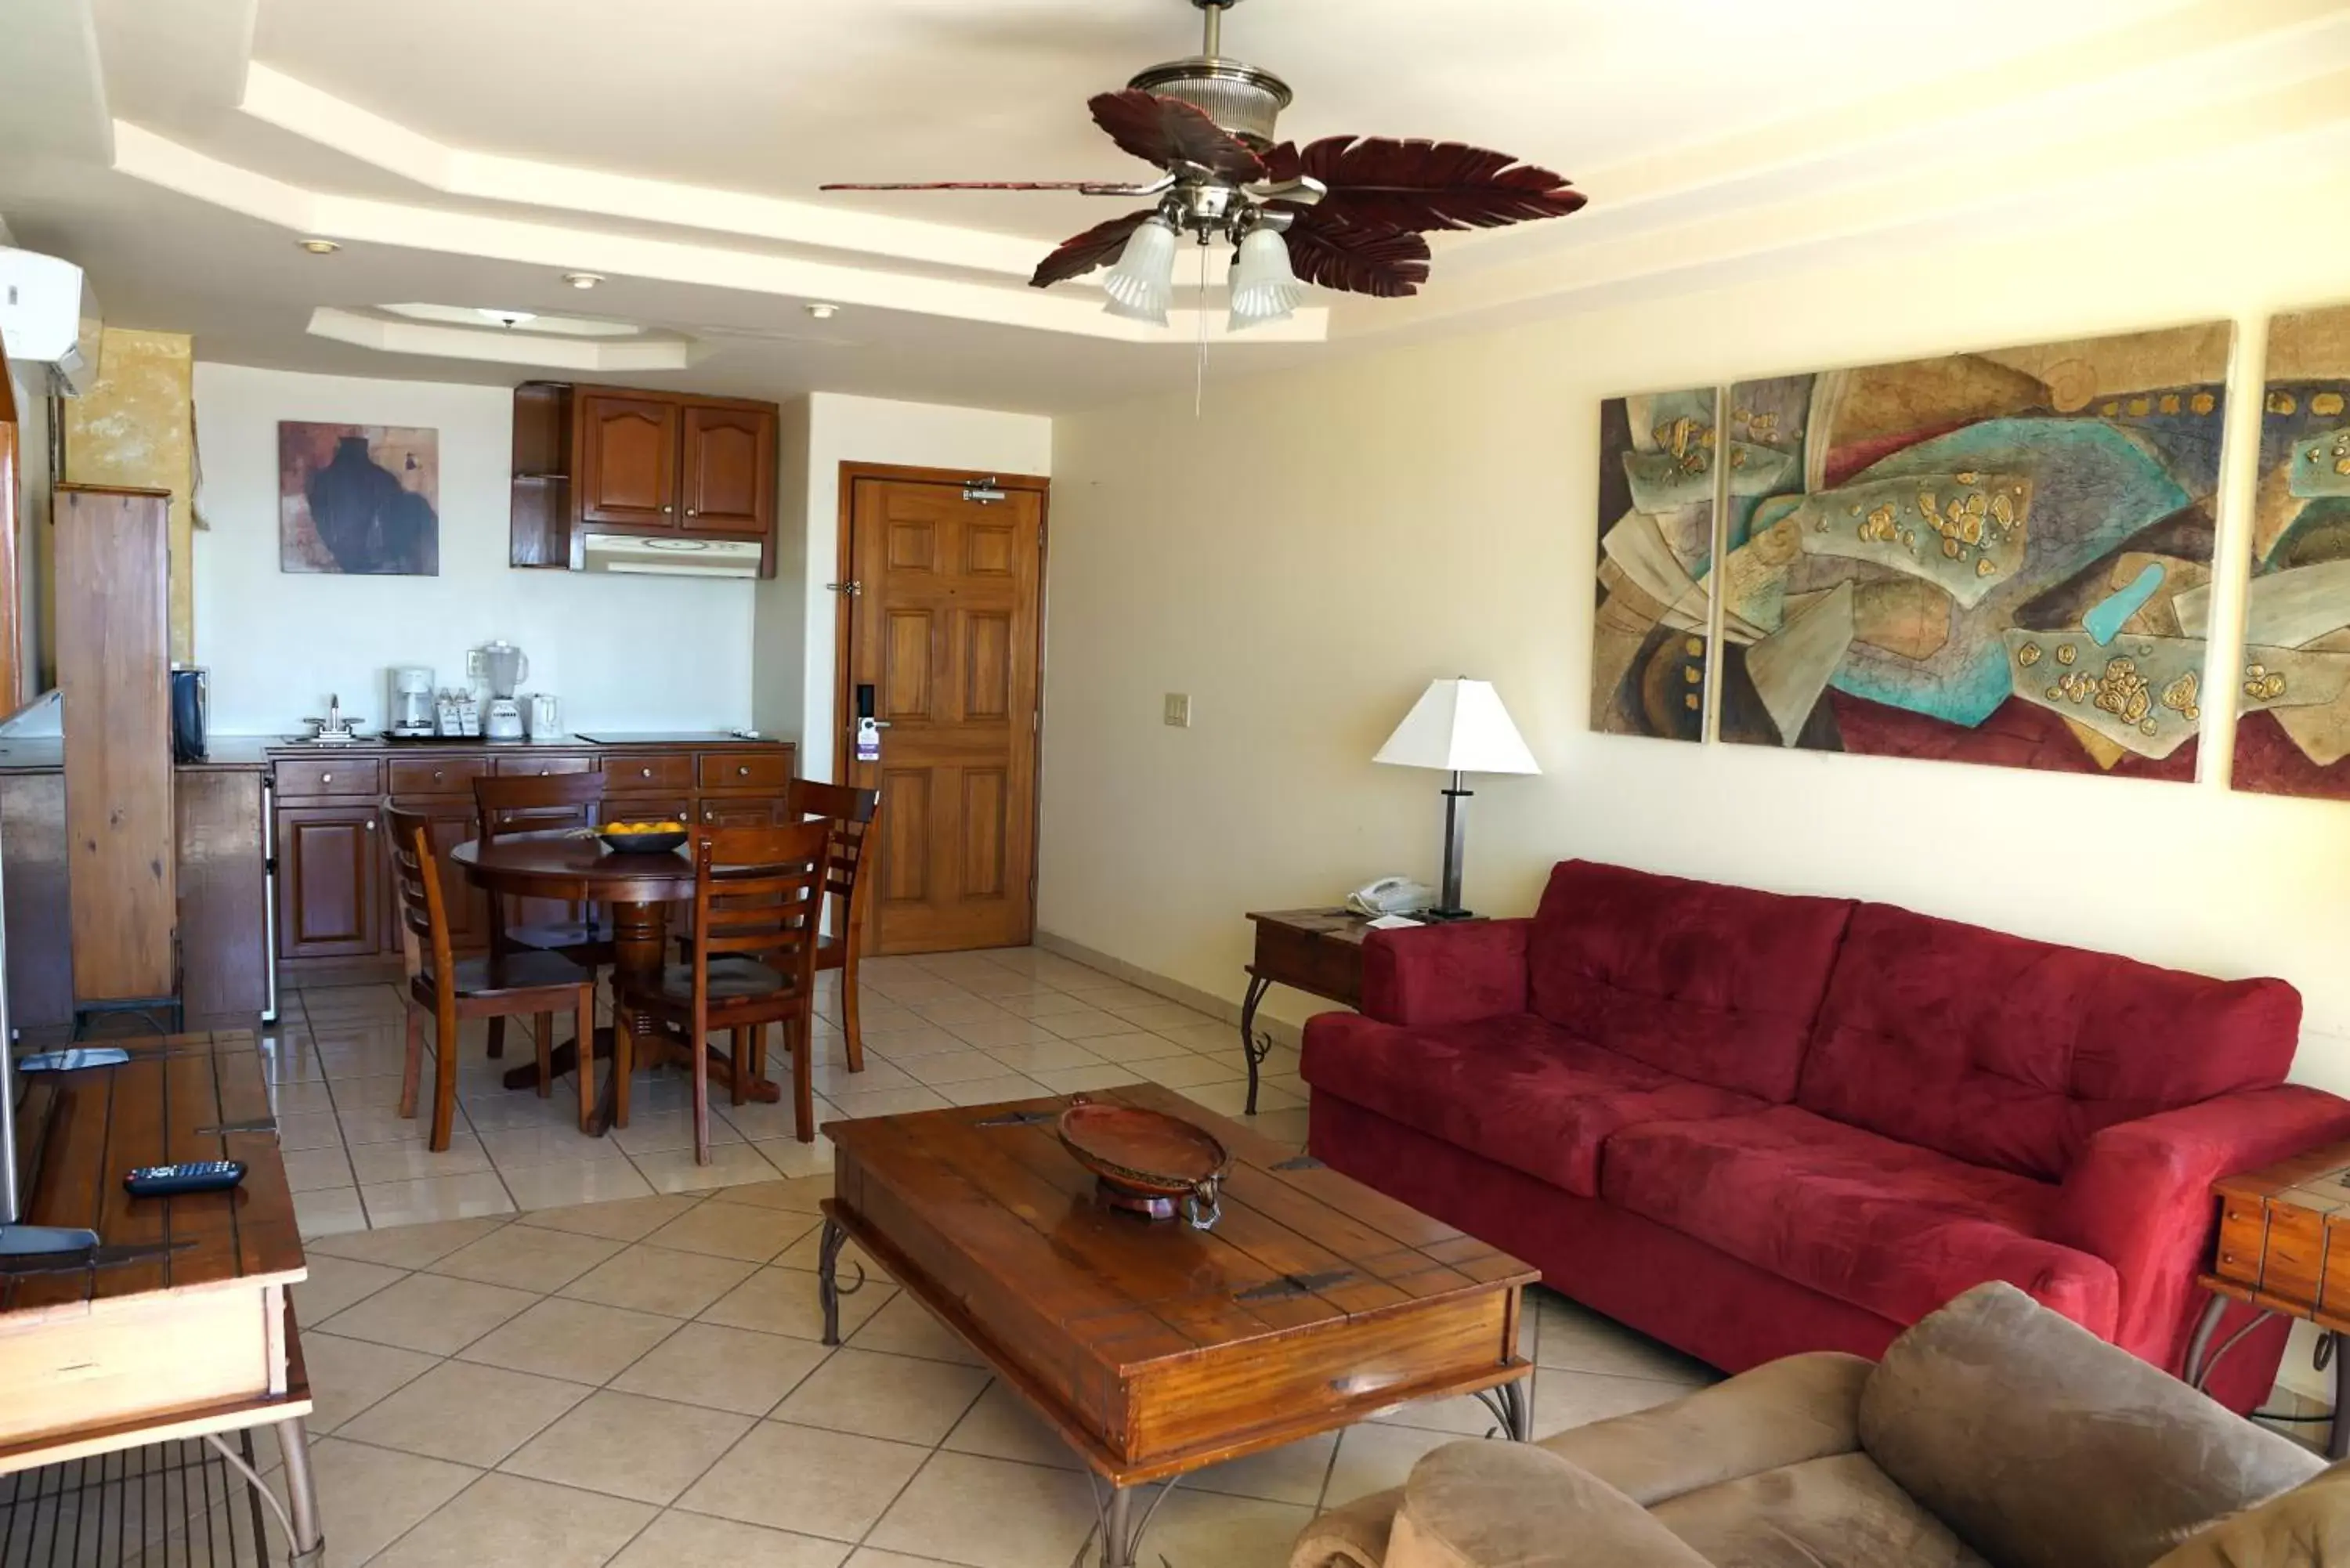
{"x": 1752, "y": 1125}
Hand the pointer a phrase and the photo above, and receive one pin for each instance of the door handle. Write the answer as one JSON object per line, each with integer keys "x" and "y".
{"x": 878, "y": 723}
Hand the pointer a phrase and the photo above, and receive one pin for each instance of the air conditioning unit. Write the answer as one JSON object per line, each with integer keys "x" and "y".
{"x": 49, "y": 317}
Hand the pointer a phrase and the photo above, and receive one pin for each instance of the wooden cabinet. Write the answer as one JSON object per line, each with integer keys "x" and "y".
{"x": 627, "y": 459}
{"x": 451, "y": 822}
{"x": 729, "y": 468}
{"x": 334, "y": 917}
{"x": 616, "y": 459}
{"x": 330, "y": 881}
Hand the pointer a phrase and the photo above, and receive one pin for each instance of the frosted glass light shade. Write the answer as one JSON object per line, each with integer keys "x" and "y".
{"x": 1264, "y": 289}
{"x": 1458, "y": 726}
{"x": 1142, "y": 285}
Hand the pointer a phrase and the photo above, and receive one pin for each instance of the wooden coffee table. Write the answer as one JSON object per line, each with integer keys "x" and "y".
{"x": 1153, "y": 1348}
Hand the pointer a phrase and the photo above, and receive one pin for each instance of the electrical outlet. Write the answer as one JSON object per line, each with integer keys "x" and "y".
{"x": 1179, "y": 710}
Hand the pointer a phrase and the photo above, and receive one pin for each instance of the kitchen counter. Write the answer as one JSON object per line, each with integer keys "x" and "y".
{"x": 253, "y": 753}
{"x": 46, "y": 754}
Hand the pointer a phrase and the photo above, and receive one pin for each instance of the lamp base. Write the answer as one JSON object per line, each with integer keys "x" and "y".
{"x": 1432, "y": 917}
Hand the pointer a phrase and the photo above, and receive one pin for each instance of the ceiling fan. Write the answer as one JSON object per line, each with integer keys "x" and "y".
{"x": 1347, "y": 212}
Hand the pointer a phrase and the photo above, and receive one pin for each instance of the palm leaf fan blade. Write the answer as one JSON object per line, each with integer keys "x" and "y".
{"x": 1431, "y": 185}
{"x": 1097, "y": 246}
{"x": 1373, "y": 259}
{"x": 1165, "y": 130}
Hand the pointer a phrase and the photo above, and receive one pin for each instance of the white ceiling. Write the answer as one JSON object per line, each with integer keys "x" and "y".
{"x": 467, "y": 152}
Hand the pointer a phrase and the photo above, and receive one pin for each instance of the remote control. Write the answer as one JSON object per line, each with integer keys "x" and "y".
{"x": 196, "y": 1176}
{"x": 73, "y": 1060}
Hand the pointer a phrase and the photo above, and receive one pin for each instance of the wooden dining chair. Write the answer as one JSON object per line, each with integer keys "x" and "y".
{"x": 852, "y": 815}
{"x": 758, "y": 895}
{"x": 535, "y": 804}
{"x": 450, "y": 989}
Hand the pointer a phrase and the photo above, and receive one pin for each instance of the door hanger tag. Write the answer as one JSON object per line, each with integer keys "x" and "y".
{"x": 868, "y": 740}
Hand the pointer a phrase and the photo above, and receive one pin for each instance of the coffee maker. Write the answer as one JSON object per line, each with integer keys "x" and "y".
{"x": 500, "y": 667}
{"x": 412, "y": 704}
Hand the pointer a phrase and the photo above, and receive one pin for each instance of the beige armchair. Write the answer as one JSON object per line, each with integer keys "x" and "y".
{"x": 1995, "y": 1433}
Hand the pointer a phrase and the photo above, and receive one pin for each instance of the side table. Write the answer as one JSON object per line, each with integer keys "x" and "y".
{"x": 1318, "y": 951}
{"x": 2285, "y": 1249}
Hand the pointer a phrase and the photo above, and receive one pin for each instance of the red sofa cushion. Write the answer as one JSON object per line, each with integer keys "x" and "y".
{"x": 1514, "y": 1089}
{"x": 2006, "y": 1051}
{"x": 1715, "y": 983}
{"x": 1883, "y": 1225}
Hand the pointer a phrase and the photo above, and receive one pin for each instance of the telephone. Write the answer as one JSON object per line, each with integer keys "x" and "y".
{"x": 1391, "y": 896}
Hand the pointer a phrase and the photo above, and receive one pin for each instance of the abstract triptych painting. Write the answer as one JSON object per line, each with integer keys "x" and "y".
{"x": 2002, "y": 558}
{"x": 2292, "y": 687}
{"x": 1655, "y": 564}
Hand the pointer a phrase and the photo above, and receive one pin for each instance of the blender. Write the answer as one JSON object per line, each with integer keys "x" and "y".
{"x": 500, "y": 667}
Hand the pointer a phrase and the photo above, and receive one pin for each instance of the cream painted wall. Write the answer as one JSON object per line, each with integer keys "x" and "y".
{"x": 1384, "y": 519}
{"x": 622, "y": 653}
{"x": 840, "y": 429}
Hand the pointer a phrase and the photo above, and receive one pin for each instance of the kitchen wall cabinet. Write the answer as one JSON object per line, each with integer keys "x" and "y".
{"x": 618, "y": 460}
{"x": 627, "y": 459}
{"x": 336, "y": 921}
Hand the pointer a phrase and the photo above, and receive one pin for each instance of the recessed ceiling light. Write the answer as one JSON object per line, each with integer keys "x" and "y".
{"x": 318, "y": 247}
{"x": 824, "y": 312}
{"x": 505, "y": 317}
{"x": 583, "y": 279}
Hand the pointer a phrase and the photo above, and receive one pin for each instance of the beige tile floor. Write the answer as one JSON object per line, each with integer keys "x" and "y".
{"x": 640, "y": 1383}
{"x": 535, "y": 1348}
{"x": 956, "y": 1029}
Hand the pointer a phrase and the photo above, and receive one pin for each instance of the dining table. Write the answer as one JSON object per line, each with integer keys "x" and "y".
{"x": 635, "y": 890}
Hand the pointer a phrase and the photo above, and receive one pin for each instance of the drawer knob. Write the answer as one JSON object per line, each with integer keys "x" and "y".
{"x": 744, "y": 771}
{"x": 436, "y": 772}
{"x": 325, "y": 778}
{"x": 647, "y": 771}
{"x": 371, "y": 826}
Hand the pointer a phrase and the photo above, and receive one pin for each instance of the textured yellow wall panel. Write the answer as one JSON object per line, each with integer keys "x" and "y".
{"x": 136, "y": 427}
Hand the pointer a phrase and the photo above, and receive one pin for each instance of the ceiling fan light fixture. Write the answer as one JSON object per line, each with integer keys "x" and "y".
{"x": 1141, "y": 286}
{"x": 1265, "y": 286}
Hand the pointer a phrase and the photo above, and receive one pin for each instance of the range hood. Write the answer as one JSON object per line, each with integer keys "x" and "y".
{"x": 639, "y": 556}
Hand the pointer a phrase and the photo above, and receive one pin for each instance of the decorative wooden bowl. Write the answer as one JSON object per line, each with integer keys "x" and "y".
{"x": 1146, "y": 1161}
{"x": 641, "y": 843}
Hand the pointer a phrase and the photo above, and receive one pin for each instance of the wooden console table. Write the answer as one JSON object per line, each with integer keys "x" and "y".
{"x": 1318, "y": 951}
{"x": 2284, "y": 1248}
{"x": 179, "y": 1324}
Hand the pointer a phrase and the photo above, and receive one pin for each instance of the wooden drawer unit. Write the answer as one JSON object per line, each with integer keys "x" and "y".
{"x": 742, "y": 811}
{"x": 538, "y": 765}
{"x": 2284, "y": 1237}
{"x": 310, "y": 778}
{"x": 436, "y": 775}
{"x": 647, "y": 808}
{"x": 649, "y": 771}
{"x": 766, "y": 770}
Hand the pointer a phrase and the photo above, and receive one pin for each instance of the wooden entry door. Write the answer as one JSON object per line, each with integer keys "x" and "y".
{"x": 943, "y": 628}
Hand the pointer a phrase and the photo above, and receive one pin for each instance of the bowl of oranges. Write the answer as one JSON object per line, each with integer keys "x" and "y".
{"x": 643, "y": 837}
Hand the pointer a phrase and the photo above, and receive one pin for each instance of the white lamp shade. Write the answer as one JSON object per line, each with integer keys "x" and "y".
{"x": 1460, "y": 727}
{"x": 1264, "y": 287}
{"x": 1142, "y": 285}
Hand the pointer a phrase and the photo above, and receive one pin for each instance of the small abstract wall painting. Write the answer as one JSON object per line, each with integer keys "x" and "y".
{"x": 1996, "y": 557}
{"x": 1649, "y": 653}
{"x": 2292, "y": 688}
{"x": 358, "y": 499}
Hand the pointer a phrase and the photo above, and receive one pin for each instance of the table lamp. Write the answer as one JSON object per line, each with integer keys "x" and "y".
{"x": 1458, "y": 726}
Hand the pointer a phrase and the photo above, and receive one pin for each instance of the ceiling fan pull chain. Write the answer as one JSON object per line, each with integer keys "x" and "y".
{"x": 1199, "y": 382}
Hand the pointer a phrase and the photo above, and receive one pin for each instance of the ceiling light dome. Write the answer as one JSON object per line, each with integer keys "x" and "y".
{"x": 1264, "y": 286}
{"x": 1142, "y": 285}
